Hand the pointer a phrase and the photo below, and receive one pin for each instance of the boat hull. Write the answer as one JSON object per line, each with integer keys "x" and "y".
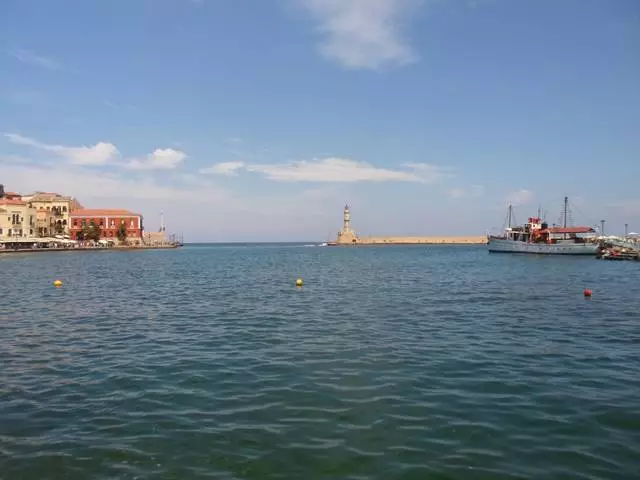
{"x": 501, "y": 245}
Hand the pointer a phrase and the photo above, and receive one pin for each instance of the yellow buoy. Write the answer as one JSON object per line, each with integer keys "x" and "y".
{"x": 57, "y": 283}
{"x": 299, "y": 282}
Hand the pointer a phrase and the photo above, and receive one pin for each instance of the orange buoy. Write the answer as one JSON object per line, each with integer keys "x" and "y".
{"x": 587, "y": 292}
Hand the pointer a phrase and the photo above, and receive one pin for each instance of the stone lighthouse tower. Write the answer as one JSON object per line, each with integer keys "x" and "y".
{"x": 347, "y": 235}
{"x": 347, "y": 220}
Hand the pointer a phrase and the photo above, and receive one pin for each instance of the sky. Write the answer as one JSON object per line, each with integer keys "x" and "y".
{"x": 247, "y": 120}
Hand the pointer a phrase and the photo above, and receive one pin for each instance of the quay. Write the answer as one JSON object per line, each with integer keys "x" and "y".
{"x": 347, "y": 236}
{"x": 119, "y": 248}
{"x": 42, "y": 222}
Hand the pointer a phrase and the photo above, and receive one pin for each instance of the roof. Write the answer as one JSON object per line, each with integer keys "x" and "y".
{"x": 11, "y": 194}
{"x": 11, "y": 201}
{"x": 47, "y": 197}
{"x": 87, "y": 212}
{"x": 569, "y": 230}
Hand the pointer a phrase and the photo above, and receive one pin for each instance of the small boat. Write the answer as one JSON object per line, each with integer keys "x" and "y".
{"x": 536, "y": 236}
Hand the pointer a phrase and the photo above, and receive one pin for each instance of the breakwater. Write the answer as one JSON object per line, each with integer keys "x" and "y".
{"x": 400, "y": 240}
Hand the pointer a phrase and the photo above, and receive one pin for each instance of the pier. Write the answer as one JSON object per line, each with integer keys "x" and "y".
{"x": 347, "y": 236}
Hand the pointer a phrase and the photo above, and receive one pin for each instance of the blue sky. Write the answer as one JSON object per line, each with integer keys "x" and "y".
{"x": 257, "y": 120}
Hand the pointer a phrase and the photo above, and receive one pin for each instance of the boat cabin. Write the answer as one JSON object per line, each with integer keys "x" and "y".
{"x": 537, "y": 231}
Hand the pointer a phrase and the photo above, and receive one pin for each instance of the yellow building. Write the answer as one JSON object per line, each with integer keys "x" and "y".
{"x": 53, "y": 212}
{"x": 17, "y": 219}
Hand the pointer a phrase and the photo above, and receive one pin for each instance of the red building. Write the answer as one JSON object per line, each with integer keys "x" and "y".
{"x": 109, "y": 222}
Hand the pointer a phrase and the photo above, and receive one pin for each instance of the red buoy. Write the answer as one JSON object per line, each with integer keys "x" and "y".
{"x": 587, "y": 292}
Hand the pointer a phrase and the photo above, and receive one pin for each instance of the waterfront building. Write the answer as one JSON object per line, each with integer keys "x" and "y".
{"x": 53, "y": 212}
{"x": 17, "y": 218}
{"x": 109, "y": 222}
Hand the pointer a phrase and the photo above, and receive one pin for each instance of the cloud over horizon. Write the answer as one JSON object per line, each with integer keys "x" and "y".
{"x": 104, "y": 154}
{"x": 519, "y": 197}
{"x": 334, "y": 169}
{"x": 160, "y": 159}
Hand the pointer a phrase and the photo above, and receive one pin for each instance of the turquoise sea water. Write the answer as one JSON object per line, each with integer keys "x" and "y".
{"x": 390, "y": 363}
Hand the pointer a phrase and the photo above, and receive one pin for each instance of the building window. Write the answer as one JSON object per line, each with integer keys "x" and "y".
{"x": 31, "y": 232}
{"x": 64, "y": 209}
{"x": 0, "y": 231}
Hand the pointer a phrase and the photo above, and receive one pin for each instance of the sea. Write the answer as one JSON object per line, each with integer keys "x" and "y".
{"x": 390, "y": 362}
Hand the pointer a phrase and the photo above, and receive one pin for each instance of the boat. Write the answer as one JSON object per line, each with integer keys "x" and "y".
{"x": 536, "y": 236}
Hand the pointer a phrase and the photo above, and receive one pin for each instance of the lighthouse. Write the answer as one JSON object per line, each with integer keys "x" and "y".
{"x": 346, "y": 235}
{"x": 347, "y": 220}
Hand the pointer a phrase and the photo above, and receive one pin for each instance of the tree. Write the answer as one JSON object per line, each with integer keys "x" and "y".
{"x": 122, "y": 233}
{"x": 91, "y": 232}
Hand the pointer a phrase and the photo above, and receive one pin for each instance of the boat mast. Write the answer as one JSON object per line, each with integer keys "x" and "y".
{"x": 510, "y": 210}
{"x": 566, "y": 201}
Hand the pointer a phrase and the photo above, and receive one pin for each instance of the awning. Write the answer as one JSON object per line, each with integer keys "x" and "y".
{"x": 569, "y": 230}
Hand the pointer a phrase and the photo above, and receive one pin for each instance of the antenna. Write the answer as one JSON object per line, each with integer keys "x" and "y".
{"x": 162, "y": 227}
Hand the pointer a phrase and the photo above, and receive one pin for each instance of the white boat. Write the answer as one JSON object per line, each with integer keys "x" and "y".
{"x": 537, "y": 237}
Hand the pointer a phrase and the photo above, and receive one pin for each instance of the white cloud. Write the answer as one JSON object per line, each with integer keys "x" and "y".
{"x": 120, "y": 106}
{"x": 160, "y": 159}
{"x": 519, "y": 197}
{"x": 91, "y": 188}
{"x": 103, "y": 153}
{"x": 363, "y": 33}
{"x": 229, "y": 169}
{"x": 473, "y": 191}
{"x": 99, "y": 154}
{"x": 31, "y": 58}
{"x": 345, "y": 170}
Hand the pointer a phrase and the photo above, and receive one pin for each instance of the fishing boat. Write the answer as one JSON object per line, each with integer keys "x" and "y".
{"x": 536, "y": 236}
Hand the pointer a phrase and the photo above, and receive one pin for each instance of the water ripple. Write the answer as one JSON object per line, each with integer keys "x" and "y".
{"x": 407, "y": 362}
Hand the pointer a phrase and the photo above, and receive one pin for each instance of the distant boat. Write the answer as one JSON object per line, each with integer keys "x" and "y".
{"x": 536, "y": 236}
